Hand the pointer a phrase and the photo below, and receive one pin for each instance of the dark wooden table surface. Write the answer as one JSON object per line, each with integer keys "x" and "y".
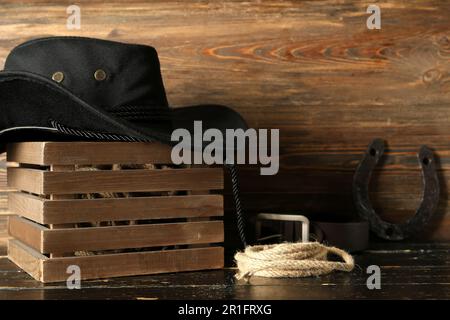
{"x": 408, "y": 271}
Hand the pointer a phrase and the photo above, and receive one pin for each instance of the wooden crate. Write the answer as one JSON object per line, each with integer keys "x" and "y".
{"x": 153, "y": 220}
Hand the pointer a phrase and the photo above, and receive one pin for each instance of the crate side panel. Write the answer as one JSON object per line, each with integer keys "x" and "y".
{"x": 140, "y": 263}
{"x": 26, "y": 258}
{"x": 132, "y": 236}
{"x": 92, "y": 153}
{"x": 26, "y": 152}
{"x": 137, "y": 208}
{"x": 132, "y": 180}
{"x": 27, "y": 232}
{"x": 30, "y": 180}
{"x": 27, "y": 205}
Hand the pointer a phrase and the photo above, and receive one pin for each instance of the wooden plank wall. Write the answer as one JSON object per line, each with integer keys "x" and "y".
{"x": 309, "y": 68}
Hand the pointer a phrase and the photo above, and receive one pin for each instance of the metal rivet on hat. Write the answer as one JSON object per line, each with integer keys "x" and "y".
{"x": 100, "y": 75}
{"x": 58, "y": 76}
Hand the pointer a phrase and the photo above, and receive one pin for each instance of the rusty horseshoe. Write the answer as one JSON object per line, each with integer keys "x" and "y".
{"x": 428, "y": 205}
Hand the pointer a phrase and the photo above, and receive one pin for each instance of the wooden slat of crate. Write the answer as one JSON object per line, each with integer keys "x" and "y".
{"x": 88, "y": 153}
{"x": 48, "y": 182}
{"x": 4, "y": 211}
{"x": 27, "y": 231}
{"x": 117, "y": 237}
{"x": 27, "y": 259}
{"x": 46, "y": 211}
{"x": 110, "y": 265}
{"x": 3, "y": 234}
{"x": 27, "y": 180}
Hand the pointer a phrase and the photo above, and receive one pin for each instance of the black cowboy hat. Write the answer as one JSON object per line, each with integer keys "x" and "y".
{"x": 56, "y": 87}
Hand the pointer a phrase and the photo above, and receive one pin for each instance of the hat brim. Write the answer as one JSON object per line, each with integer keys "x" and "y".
{"x": 30, "y": 102}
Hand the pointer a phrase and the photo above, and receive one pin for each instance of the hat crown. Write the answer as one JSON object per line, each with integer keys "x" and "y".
{"x": 104, "y": 73}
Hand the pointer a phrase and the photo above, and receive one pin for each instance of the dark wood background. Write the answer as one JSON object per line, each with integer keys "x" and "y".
{"x": 311, "y": 69}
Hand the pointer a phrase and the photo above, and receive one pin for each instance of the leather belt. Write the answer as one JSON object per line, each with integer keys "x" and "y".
{"x": 352, "y": 236}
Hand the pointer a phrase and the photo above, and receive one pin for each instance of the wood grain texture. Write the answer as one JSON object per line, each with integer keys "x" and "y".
{"x": 139, "y": 180}
{"x": 105, "y": 266}
{"x": 26, "y": 258}
{"x": 60, "y": 168}
{"x": 88, "y": 153}
{"x": 30, "y": 180}
{"x": 28, "y": 232}
{"x": 4, "y": 211}
{"x": 311, "y": 69}
{"x": 66, "y": 240}
{"x": 44, "y": 211}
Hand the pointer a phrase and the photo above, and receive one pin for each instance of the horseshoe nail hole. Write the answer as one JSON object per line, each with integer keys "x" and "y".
{"x": 426, "y": 161}
{"x": 373, "y": 152}
{"x": 389, "y": 232}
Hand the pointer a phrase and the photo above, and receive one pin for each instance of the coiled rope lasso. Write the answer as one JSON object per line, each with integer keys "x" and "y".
{"x": 290, "y": 260}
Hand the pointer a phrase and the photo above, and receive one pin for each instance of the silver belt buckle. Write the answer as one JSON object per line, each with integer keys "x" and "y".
{"x": 291, "y": 230}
